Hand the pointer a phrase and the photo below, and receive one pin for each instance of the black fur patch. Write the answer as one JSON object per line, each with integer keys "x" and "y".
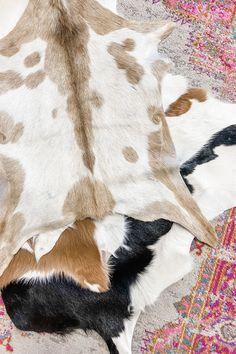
{"x": 225, "y": 137}
{"x": 60, "y": 306}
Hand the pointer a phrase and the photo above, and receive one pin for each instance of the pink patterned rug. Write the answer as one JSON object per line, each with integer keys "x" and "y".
{"x": 207, "y": 316}
{"x": 211, "y": 44}
{"x": 5, "y": 329}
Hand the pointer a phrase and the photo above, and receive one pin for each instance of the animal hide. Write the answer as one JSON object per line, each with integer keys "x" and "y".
{"x": 146, "y": 257}
{"x": 82, "y": 129}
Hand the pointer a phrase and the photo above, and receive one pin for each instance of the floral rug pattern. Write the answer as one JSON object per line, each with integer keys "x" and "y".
{"x": 212, "y": 41}
{"x": 5, "y": 329}
{"x": 207, "y": 317}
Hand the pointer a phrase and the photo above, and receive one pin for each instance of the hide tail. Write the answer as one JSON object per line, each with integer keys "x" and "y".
{"x": 111, "y": 346}
{"x": 193, "y": 218}
{"x": 183, "y": 211}
{"x": 200, "y": 227}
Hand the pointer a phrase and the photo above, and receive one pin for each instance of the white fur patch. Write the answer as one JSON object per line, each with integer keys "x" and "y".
{"x": 109, "y": 4}
{"x": 93, "y": 287}
{"x": 110, "y": 233}
{"x": 10, "y": 13}
{"x": 44, "y": 243}
{"x": 124, "y": 341}
{"x": 214, "y": 182}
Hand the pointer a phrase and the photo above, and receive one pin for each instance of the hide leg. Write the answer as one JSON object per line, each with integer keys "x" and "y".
{"x": 9, "y": 240}
{"x": 76, "y": 254}
{"x": 124, "y": 341}
{"x": 149, "y": 201}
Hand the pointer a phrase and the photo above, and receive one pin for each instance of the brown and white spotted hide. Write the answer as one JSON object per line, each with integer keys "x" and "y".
{"x": 82, "y": 129}
{"x": 75, "y": 255}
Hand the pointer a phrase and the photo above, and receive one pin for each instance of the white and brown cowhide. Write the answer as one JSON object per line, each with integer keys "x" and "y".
{"x": 82, "y": 128}
{"x": 207, "y": 164}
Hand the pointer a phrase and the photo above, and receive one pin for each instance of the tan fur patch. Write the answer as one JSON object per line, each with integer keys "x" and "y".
{"x": 10, "y": 223}
{"x": 126, "y": 62}
{"x": 89, "y": 199}
{"x": 6, "y": 127}
{"x": 75, "y": 254}
{"x": 83, "y": 134}
{"x": 9, "y": 51}
{"x": 21, "y": 263}
{"x": 54, "y": 113}
{"x": 89, "y": 160}
{"x": 10, "y": 228}
{"x": 10, "y": 80}
{"x": 130, "y": 154}
{"x": 183, "y": 103}
{"x": 168, "y": 148}
{"x": 32, "y": 59}
{"x": 160, "y": 68}
{"x": 67, "y": 38}
{"x": 32, "y": 81}
{"x": 96, "y": 99}
{"x": 165, "y": 28}
{"x": 198, "y": 94}
{"x": 15, "y": 175}
{"x": 70, "y": 45}
{"x": 155, "y": 114}
{"x": 9, "y": 132}
{"x": 55, "y": 53}
{"x": 128, "y": 44}
{"x": 103, "y": 21}
{"x": 162, "y": 210}
{"x": 160, "y": 142}
{"x": 17, "y": 133}
{"x": 178, "y": 107}
{"x": 155, "y": 145}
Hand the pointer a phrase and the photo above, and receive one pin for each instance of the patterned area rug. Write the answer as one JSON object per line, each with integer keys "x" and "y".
{"x": 185, "y": 319}
{"x": 203, "y": 46}
{"x": 206, "y": 320}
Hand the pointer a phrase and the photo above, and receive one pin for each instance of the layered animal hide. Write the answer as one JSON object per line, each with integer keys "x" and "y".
{"x": 146, "y": 257}
{"x": 82, "y": 128}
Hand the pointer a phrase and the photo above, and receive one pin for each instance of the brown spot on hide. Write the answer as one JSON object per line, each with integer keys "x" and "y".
{"x": 10, "y": 223}
{"x": 155, "y": 114}
{"x": 32, "y": 60}
{"x": 54, "y": 113}
{"x": 96, "y": 99}
{"x": 32, "y": 81}
{"x": 128, "y": 44}
{"x": 9, "y": 51}
{"x": 134, "y": 71}
{"x": 10, "y": 80}
{"x": 160, "y": 68}
{"x": 183, "y": 104}
{"x": 89, "y": 199}
{"x": 130, "y": 154}
{"x": 9, "y": 132}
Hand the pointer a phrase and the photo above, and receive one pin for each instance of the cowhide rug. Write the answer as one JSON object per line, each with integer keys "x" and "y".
{"x": 145, "y": 257}
{"x": 82, "y": 128}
